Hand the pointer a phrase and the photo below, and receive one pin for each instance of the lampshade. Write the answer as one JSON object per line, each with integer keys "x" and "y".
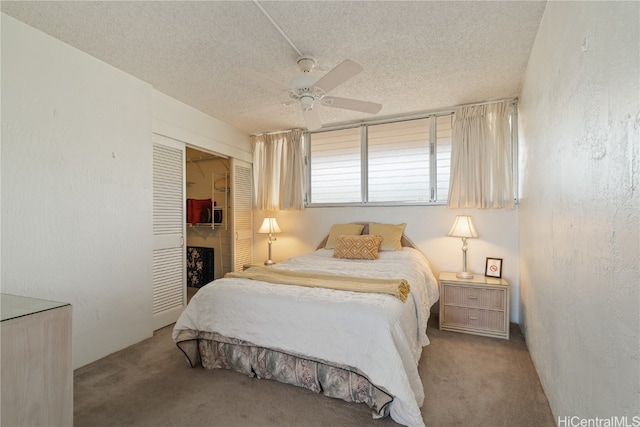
{"x": 463, "y": 227}
{"x": 269, "y": 226}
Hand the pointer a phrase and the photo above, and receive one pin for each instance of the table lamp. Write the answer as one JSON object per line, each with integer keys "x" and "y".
{"x": 269, "y": 226}
{"x": 463, "y": 227}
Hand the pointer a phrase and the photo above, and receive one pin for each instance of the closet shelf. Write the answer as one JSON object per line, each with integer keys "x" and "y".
{"x": 203, "y": 224}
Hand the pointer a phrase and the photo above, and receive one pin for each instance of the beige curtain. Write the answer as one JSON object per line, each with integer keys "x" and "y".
{"x": 481, "y": 158}
{"x": 278, "y": 165}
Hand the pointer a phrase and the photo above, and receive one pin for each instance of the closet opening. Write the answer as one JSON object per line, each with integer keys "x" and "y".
{"x": 208, "y": 218}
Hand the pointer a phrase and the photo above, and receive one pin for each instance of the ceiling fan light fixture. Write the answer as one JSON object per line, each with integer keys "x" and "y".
{"x": 306, "y": 101}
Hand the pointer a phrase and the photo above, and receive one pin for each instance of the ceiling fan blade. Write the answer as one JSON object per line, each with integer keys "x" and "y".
{"x": 312, "y": 118}
{"x": 351, "y": 104}
{"x": 338, "y": 75}
{"x": 263, "y": 80}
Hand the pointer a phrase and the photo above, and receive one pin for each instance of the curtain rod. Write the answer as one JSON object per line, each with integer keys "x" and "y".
{"x": 509, "y": 100}
{"x": 422, "y": 115}
{"x": 277, "y": 132}
{"x": 389, "y": 119}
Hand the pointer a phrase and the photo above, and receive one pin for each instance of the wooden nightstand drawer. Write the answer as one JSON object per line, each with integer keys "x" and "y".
{"x": 493, "y": 299}
{"x": 486, "y": 320}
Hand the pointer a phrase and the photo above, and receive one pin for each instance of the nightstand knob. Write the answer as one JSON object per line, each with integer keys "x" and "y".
{"x": 473, "y": 297}
{"x": 473, "y": 318}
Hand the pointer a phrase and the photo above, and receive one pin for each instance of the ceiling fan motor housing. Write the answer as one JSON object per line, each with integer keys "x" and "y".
{"x": 306, "y": 63}
{"x": 304, "y": 81}
{"x": 303, "y": 90}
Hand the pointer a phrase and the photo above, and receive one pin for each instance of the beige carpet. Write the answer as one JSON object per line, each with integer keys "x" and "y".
{"x": 468, "y": 381}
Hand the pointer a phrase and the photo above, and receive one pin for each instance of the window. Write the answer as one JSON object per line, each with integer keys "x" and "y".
{"x": 390, "y": 163}
{"x": 335, "y": 166}
{"x": 398, "y": 161}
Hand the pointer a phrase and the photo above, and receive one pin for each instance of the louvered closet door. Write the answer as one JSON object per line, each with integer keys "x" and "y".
{"x": 169, "y": 258}
{"x": 242, "y": 214}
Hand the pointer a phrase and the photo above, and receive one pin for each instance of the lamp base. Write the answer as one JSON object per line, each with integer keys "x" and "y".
{"x": 269, "y": 262}
{"x": 464, "y": 275}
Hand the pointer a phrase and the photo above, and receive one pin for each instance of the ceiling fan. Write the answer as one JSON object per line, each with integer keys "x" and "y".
{"x": 310, "y": 91}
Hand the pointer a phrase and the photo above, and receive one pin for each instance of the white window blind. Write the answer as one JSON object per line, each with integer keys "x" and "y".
{"x": 336, "y": 166}
{"x": 398, "y": 161}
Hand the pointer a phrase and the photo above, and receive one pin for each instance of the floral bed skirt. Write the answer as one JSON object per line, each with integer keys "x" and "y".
{"x": 341, "y": 382}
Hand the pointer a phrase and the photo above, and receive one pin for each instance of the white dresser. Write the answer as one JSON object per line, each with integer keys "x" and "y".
{"x": 477, "y": 306}
{"x": 36, "y": 368}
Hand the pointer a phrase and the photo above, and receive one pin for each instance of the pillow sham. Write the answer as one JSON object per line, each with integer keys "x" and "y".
{"x": 357, "y": 247}
{"x": 338, "y": 230}
{"x": 391, "y": 235}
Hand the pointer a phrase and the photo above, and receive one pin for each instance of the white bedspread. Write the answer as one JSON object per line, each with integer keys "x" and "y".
{"x": 378, "y": 334}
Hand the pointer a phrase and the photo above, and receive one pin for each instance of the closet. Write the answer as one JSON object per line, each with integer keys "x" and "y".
{"x": 202, "y": 222}
{"x": 208, "y": 217}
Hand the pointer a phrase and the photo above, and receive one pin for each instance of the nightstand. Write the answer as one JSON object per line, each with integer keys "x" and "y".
{"x": 478, "y": 306}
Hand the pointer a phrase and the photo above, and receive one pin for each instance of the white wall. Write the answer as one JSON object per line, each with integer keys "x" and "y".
{"x": 579, "y": 213}
{"x": 427, "y": 227}
{"x": 76, "y": 188}
{"x": 181, "y": 122}
{"x": 76, "y": 183}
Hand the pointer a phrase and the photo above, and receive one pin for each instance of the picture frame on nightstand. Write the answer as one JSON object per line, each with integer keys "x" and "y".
{"x": 493, "y": 268}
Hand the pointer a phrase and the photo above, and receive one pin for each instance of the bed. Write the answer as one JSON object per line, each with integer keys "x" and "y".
{"x": 360, "y": 344}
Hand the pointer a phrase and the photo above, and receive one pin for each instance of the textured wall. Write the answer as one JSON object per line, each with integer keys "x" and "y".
{"x": 579, "y": 212}
{"x": 76, "y": 188}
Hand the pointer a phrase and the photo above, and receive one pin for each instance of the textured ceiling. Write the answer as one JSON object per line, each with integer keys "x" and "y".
{"x": 418, "y": 56}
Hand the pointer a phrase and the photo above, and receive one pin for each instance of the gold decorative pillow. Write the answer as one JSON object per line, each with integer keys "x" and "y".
{"x": 391, "y": 235}
{"x": 357, "y": 247}
{"x": 338, "y": 230}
